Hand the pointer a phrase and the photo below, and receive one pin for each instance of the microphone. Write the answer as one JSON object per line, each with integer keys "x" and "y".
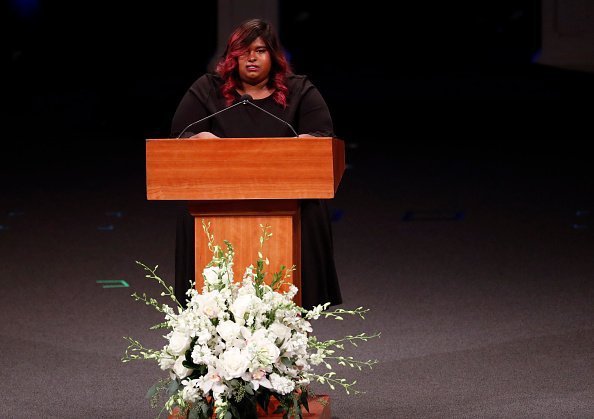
{"x": 242, "y": 101}
{"x": 247, "y": 99}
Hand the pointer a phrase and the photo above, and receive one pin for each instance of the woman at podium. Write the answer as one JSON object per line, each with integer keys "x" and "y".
{"x": 253, "y": 93}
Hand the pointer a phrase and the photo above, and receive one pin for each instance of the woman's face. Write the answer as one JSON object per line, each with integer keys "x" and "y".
{"x": 255, "y": 63}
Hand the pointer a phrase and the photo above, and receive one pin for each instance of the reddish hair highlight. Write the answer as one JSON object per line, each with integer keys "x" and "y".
{"x": 237, "y": 45}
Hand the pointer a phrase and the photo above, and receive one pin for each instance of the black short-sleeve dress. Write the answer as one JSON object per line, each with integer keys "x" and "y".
{"x": 307, "y": 113}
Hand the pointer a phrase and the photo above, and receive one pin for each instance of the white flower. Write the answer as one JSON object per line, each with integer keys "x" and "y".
{"x": 297, "y": 345}
{"x": 280, "y": 384}
{"x": 279, "y": 331}
{"x": 191, "y": 391}
{"x": 248, "y": 276}
{"x": 201, "y": 354}
{"x": 240, "y": 334}
{"x": 179, "y": 343}
{"x": 292, "y": 292}
{"x": 211, "y": 276}
{"x": 211, "y": 381}
{"x": 259, "y": 379}
{"x": 228, "y": 330}
{"x": 317, "y": 358}
{"x": 315, "y": 312}
{"x": 209, "y": 304}
{"x": 179, "y": 369}
{"x": 241, "y": 306}
{"x": 166, "y": 362}
{"x": 232, "y": 363}
{"x": 260, "y": 350}
{"x": 204, "y": 336}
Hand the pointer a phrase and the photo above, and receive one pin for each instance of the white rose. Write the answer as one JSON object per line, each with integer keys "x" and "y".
{"x": 228, "y": 330}
{"x": 179, "y": 343}
{"x": 240, "y": 306}
{"x": 179, "y": 369}
{"x": 209, "y": 305}
{"x": 233, "y": 363}
{"x": 262, "y": 352}
{"x": 280, "y": 331}
{"x": 211, "y": 275}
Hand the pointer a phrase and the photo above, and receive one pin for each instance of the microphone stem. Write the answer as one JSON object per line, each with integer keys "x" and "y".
{"x": 210, "y": 116}
{"x": 273, "y": 115}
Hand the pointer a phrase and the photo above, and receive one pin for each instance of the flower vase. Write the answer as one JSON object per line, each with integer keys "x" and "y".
{"x": 319, "y": 408}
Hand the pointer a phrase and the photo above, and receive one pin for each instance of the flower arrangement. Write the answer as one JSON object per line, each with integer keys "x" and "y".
{"x": 238, "y": 344}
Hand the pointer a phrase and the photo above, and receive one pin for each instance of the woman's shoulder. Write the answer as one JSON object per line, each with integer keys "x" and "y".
{"x": 299, "y": 83}
{"x": 206, "y": 87}
{"x": 297, "y": 79}
{"x": 207, "y": 81}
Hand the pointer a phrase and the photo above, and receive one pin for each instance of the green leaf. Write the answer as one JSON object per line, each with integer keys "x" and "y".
{"x": 233, "y": 411}
{"x": 153, "y": 390}
{"x": 172, "y": 387}
{"x": 296, "y": 406}
{"x": 303, "y": 399}
{"x": 193, "y": 414}
{"x": 263, "y": 398}
{"x": 228, "y": 415}
{"x": 249, "y": 389}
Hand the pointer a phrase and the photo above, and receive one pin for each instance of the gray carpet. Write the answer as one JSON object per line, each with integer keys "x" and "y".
{"x": 478, "y": 273}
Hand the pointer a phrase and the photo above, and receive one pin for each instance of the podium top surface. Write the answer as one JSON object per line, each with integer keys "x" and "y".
{"x": 243, "y": 168}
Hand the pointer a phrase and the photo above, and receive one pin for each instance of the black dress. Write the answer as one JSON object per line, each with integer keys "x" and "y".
{"x": 307, "y": 113}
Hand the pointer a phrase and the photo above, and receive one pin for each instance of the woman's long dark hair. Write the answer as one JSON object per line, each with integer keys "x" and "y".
{"x": 237, "y": 45}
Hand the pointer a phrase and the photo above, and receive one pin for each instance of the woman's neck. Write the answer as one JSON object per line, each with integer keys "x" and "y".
{"x": 257, "y": 91}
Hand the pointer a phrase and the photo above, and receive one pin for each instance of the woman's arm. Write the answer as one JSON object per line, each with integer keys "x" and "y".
{"x": 313, "y": 115}
{"x": 192, "y": 108}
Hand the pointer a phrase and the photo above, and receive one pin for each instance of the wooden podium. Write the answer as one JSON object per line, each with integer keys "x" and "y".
{"x": 237, "y": 184}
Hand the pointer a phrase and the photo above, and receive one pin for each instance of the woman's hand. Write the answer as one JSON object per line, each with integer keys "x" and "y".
{"x": 204, "y": 134}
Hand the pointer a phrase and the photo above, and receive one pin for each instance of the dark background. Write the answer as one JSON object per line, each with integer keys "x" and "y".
{"x": 427, "y": 78}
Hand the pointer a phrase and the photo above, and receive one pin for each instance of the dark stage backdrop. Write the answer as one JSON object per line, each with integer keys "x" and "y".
{"x": 97, "y": 78}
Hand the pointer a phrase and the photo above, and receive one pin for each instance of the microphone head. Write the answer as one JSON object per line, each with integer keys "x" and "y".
{"x": 246, "y": 97}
